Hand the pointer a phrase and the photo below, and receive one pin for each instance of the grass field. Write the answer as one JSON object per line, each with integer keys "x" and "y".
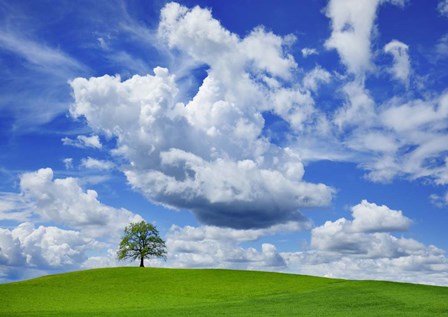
{"x": 177, "y": 292}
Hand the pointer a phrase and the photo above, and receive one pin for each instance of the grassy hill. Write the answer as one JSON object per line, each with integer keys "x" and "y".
{"x": 179, "y": 292}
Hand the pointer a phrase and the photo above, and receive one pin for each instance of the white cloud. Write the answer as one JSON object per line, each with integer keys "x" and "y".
{"x": 352, "y": 23}
{"x": 267, "y": 51}
{"x": 48, "y": 59}
{"x": 181, "y": 27}
{"x": 13, "y": 207}
{"x": 50, "y": 246}
{"x": 308, "y": 52}
{"x": 362, "y": 248}
{"x": 89, "y": 228}
{"x": 375, "y": 135}
{"x": 68, "y": 163}
{"x": 219, "y": 247}
{"x": 43, "y": 247}
{"x": 419, "y": 114}
{"x": 92, "y": 163}
{"x": 420, "y": 139}
{"x": 158, "y": 135}
{"x": 10, "y": 250}
{"x": 315, "y": 77}
{"x": 237, "y": 235}
{"x": 429, "y": 268}
{"x": 108, "y": 259}
{"x": 359, "y": 109}
{"x": 443, "y": 7}
{"x": 157, "y": 128}
{"x": 369, "y": 217}
{"x": 440, "y": 201}
{"x": 130, "y": 62}
{"x": 83, "y": 141}
{"x": 197, "y": 33}
{"x": 375, "y": 141}
{"x": 387, "y": 146}
{"x": 157, "y": 132}
{"x": 442, "y": 46}
{"x": 366, "y": 235}
{"x": 296, "y": 106}
{"x": 402, "y": 66}
{"x": 245, "y": 196}
{"x": 63, "y": 201}
{"x": 37, "y": 81}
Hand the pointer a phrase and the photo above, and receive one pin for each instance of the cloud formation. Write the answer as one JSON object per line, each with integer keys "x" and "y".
{"x": 364, "y": 248}
{"x": 89, "y": 225}
{"x": 361, "y": 248}
{"x": 443, "y": 7}
{"x": 402, "y": 66}
{"x": 352, "y": 24}
{"x": 38, "y": 80}
{"x": 440, "y": 201}
{"x": 234, "y": 176}
{"x": 13, "y": 207}
{"x": 366, "y": 234}
{"x": 83, "y": 141}
{"x": 157, "y": 128}
{"x": 43, "y": 247}
{"x": 209, "y": 246}
{"x": 308, "y": 52}
{"x": 232, "y": 145}
{"x": 92, "y": 163}
{"x": 64, "y": 202}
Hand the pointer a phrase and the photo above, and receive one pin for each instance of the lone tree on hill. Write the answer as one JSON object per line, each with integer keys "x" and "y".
{"x": 141, "y": 241}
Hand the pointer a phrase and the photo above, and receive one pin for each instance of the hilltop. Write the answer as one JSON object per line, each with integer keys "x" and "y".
{"x": 206, "y": 292}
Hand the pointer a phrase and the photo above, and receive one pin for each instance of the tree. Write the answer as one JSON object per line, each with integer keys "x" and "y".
{"x": 141, "y": 241}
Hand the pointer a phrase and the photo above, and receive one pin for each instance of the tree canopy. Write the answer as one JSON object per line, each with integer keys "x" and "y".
{"x": 141, "y": 240}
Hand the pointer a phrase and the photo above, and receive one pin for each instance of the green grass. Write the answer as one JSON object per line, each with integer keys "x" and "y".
{"x": 179, "y": 292}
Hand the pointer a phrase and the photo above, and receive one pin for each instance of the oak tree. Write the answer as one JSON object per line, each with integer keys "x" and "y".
{"x": 141, "y": 241}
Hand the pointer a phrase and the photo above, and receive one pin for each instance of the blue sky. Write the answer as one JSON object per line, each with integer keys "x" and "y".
{"x": 302, "y": 136}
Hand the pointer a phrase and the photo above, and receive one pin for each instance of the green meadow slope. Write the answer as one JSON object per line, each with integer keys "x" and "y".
{"x": 180, "y": 292}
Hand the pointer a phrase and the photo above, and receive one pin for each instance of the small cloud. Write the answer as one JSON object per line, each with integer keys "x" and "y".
{"x": 439, "y": 201}
{"x": 68, "y": 162}
{"x": 442, "y": 7}
{"x": 92, "y": 163}
{"x": 316, "y": 77}
{"x": 102, "y": 43}
{"x": 442, "y": 46}
{"x": 94, "y": 180}
{"x": 402, "y": 66}
{"x": 368, "y": 235}
{"x": 369, "y": 217}
{"x": 83, "y": 141}
{"x": 308, "y": 52}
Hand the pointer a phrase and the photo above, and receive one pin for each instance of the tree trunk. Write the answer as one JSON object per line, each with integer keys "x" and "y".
{"x": 141, "y": 262}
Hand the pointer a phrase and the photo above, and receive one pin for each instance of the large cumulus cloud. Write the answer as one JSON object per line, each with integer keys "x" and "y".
{"x": 209, "y": 154}
{"x": 64, "y": 201}
{"x": 213, "y": 153}
{"x": 59, "y": 226}
{"x": 366, "y": 248}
